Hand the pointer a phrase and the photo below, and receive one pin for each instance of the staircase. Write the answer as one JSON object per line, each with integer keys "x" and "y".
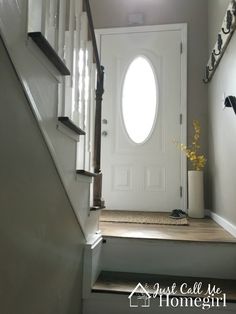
{"x": 200, "y": 253}
{"x": 52, "y": 47}
{"x": 50, "y": 198}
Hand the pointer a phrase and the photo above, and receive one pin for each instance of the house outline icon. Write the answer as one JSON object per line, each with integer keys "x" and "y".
{"x": 139, "y": 289}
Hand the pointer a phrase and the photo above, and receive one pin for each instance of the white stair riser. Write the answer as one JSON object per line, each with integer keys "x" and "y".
{"x": 175, "y": 258}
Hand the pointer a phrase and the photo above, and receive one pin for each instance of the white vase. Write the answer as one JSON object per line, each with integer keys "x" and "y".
{"x": 195, "y": 194}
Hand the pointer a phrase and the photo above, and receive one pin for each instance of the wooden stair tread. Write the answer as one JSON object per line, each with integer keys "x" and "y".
{"x": 49, "y": 52}
{"x": 70, "y": 124}
{"x": 124, "y": 283}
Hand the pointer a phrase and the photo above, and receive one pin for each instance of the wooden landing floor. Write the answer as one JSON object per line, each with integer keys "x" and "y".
{"x": 198, "y": 230}
{"x": 124, "y": 283}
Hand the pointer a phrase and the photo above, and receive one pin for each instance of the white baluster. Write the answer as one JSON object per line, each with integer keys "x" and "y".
{"x": 78, "y": 12}
{"x": 92, "y": 113}
{"x": 83, "y": 82}
{"x": 45, "y": 17}
{"x": 88, "y": 103}
{"x": 69, "y": 47}
{"x": 61, "y": 53}
{"x": 35, "y": 16}
{"x": 61, "y": 29}
{"x": 82, "y": 64}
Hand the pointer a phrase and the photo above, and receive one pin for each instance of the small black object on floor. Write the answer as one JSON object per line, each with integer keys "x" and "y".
{"x": 178, "y": 214}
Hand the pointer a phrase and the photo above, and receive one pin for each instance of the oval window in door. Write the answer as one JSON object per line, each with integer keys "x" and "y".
{"x": 139, "y": 100}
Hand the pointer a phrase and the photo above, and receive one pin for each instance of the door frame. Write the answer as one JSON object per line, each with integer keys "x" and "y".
{"x": 182, "y": 27}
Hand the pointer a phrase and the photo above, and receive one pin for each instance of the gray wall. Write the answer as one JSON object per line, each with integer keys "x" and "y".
{"x": 40, "y": 239}
{"x": 114, "y": 13}
{"x": 222, "y": 123}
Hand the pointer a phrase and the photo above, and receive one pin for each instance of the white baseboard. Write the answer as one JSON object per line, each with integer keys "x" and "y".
{"x": 228, "y": 226}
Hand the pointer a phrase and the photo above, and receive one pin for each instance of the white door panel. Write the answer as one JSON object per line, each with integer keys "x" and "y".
{"x": 143, "y": 176}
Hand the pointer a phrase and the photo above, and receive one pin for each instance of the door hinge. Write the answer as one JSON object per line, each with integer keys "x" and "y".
{"x": 181, "y": 47}
{"x": 181, "y": 191}
{"x": 181, "y": 118}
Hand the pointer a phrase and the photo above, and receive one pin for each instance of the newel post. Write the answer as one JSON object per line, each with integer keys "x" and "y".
{"x": 97, "y": 191}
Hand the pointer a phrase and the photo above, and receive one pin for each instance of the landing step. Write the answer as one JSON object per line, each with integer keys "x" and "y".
{"x": 124, "y": 283}
{"x": 198, "y": 230}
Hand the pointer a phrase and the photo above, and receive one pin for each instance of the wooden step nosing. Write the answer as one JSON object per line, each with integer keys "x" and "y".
{"x": 86, "y": 173}
{"x": 153, "y": 239}
{"x": 70, "y": 124}
{"x": 126, "y": 293}
{"x": 124, "y": 283}
{"x": 95, "y": 208}
{"x": 49, "y": 52}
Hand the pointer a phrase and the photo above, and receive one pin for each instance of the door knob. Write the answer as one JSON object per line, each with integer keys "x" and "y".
{"x": 104, "y": 133}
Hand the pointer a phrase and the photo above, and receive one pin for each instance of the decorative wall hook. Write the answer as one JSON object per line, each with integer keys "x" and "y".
{"x": 213, "y": 61}
{"x": 207, "y": 72}
{"x": 229, "y": 20}
{"x": 219, "y": 45}
{"x": 234, "y": 8}
{"x": 206, "y": 79}
{"x": 227, "y": 29}
{"x": 230, "y": 101}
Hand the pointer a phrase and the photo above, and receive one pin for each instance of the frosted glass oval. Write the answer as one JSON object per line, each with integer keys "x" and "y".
{"x": 139, "y": 100}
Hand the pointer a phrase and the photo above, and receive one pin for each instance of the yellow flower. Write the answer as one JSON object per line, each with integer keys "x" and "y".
{"x": 198, "y": 161}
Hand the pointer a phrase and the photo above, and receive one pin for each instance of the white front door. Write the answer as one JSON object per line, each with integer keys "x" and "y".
{"x": 142, "y": 113}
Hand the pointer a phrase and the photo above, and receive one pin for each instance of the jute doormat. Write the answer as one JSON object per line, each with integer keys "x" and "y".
{"x": 141, "y": 218}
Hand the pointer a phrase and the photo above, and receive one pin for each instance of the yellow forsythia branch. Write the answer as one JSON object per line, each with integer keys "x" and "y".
{"x": 198, "y": 161}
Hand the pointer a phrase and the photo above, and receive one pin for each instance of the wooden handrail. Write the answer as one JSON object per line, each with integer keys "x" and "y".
{"x": 98, "y": 202}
